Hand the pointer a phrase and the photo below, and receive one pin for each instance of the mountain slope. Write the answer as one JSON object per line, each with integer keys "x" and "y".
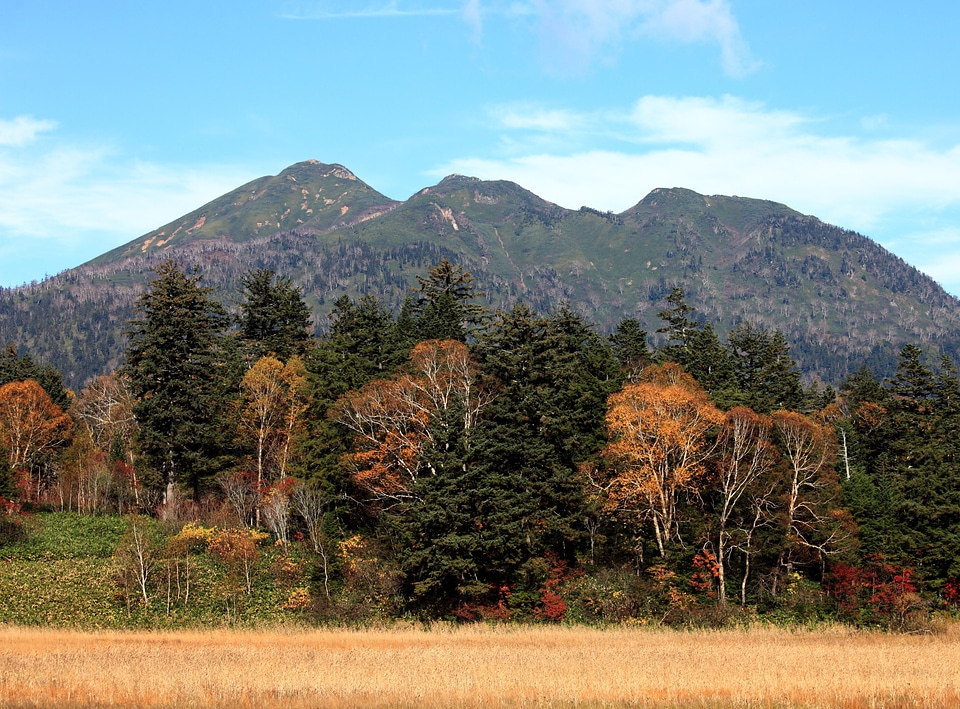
{"x": 309, "y": 196}
{"x": 841, "y": 299}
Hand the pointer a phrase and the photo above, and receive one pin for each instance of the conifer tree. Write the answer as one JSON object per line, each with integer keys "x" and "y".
{"x": 766, "y": 374}
{"x": 176, "y": 367}
{"x": 552, "y": 375}
{"x": 679, "y": 328}
{"x": 442, "y": 308}
{"x": 923, "y": 453}
{"x": 273, "y": 316}
{"x": 15, "y": 367}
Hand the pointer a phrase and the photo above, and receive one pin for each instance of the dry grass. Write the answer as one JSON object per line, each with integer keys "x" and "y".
{"x": 476, "y": 666}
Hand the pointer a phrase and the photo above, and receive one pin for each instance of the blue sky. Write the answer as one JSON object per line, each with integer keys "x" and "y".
{"x": 117, "y": 117}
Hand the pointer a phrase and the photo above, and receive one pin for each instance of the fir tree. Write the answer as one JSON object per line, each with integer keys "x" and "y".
{"x": 442, "y": 309}
{"x": 177, "y": 373}
{"x": 766, "y": 374}
{"x": 273, "y": 316}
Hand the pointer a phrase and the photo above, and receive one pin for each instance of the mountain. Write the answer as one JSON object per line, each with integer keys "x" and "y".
{"x": 841, "y": 299}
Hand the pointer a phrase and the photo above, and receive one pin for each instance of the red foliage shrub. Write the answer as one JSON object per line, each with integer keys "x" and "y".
{"x": 951, "y": 592}
{"x": 875, "y": 592}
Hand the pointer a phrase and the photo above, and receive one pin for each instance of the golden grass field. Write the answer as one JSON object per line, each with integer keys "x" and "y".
{"x": 480, "y": 667}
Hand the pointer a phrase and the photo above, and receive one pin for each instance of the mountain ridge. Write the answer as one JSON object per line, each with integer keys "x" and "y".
{"x": 840, "y": 298}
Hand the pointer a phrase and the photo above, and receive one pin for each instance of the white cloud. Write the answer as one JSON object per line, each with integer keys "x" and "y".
{"x": 473, "y": 16}
{"x": 532, "y": 117}
{"x": 724, "y": 145}
{"x": 22, "y": 130}
{"x": 731, "y": 146}
{"x": 692, "y": 21}
{"x": 70, "y": 203}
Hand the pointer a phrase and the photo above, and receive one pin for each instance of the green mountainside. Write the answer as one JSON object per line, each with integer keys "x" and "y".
{"x": 308, "y": 195}
{"x": 841, "y": 299}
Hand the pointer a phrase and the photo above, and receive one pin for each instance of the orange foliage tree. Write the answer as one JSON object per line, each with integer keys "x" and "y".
{"x": 658, "y": 429}
{"x": 30, "y": 425}
{"x": 392, "y": 419}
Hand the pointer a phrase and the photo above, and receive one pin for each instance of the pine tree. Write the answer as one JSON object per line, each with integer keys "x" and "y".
{"x": 178, "y": 375}
{"x": 629, "y": 345}
{"x": 923, "y": 455}
{"x": 679, "y": 328}
{"x": 552, "y": 375}
{"x": 15, "y": 367}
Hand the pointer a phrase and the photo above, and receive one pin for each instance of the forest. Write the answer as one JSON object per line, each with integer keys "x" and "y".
{"x": 443, "y": 461}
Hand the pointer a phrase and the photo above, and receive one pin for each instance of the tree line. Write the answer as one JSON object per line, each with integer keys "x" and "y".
{"x": 513, "y": 463}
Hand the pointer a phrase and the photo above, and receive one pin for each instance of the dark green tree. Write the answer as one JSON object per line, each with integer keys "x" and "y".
{"x": 179, "y": 374}
{"x": 552, "y": 375}
{"x": 679, "y": 327}
{"x": 15, "y": 367}
{"x": 463, "y": 540}
{"x": 443, "y": 308}
{"x": 273, "y": 316}
{"x": 713, "y": 366}
{"x": 363, "y": 344}
{"x": 922, "y": 454}
{"x": 766, "y": 374}
{"x": 629, "y": 345}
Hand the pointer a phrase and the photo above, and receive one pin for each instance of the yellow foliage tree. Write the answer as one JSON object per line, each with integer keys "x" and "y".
{"x": 658, "y": 429}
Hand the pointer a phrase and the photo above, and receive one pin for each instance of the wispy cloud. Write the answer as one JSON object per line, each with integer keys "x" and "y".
{"x": 22, "y": 130}
{"x": 73, "y": 202}
{"x": 343, "y": 10}
{"x": 693, "y": 21}
{"x": 730, "y": 146}
{"x": 573, "y": 33}
{"x": 576, "y": 33}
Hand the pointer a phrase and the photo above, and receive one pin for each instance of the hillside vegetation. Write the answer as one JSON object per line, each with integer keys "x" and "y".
{"x": 452, "y": 463}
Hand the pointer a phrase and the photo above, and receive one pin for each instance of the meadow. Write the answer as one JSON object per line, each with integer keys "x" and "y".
{"x": 481, "y": 666}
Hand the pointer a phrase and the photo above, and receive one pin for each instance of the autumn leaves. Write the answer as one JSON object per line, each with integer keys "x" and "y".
{"x": 747, "y": 470}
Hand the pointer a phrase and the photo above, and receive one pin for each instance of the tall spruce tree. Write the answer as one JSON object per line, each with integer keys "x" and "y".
{"x": 679, "y": 327}
{"x": 273, "y": 316}
{"x": 553, "y": 375}
{"x": 177, "y": 371}
{"x": 923, "y": 455}
{"x": 766, "y": 373}
{"x": 443, "y": 307}
{"x": 15, "y": 367}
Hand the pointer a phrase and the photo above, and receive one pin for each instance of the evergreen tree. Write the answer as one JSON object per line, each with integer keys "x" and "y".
{"x": 552, "y": 375}
{"x": 923, "y": 453}
{"x": 176, "y": 366}
{"x": 464, "y": 539}
{"x": 766, "y": 374}
{"x": 273, "y": 316}
{"x": 629, "y": 345}
{"x": 18, "y": 368}
{"x": 442, "y": 309}
{"x": 363, "y": 344}
{"x": 713, "y": 367}
{"x": 679, "y": 329}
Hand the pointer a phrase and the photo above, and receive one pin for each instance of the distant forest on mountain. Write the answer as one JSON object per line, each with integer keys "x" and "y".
{"x": 840, "y": 300}
{"x": 432, "y": 457}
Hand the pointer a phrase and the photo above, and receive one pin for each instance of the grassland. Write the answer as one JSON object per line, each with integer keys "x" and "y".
{"x": 480, "y": 667}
